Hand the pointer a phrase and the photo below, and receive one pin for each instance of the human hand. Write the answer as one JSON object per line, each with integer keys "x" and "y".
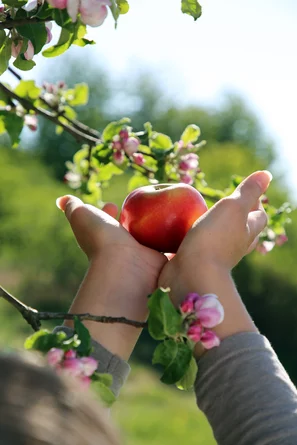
{"x": 122, "y": 273}
{"x": 215, "y": 244}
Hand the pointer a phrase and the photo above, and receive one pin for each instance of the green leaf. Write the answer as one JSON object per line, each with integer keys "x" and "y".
{"x": 175, "y": 357}
{"x": 13, "y": 124}
{"x": 83, "y": 42}
{"x": 63, "y": 44}
{"x": 85, "y": 347}
{"x": 44, "y": 340}
{"x": 2, "y": 37}
{"x": 106, "y": 394}
{"x": 79, "y": 95}
{"x": 123, "y": 6}
{"x": 106, "y": 172}
{"x": 191, "y": 7}
{"x": 103, "y": 154}
{"x": 138, "y": 180}
{"x": 113, "y": 128}
{"x": 104, "y": 378}
{"x": 164, "y": 320}
{"x": 62, "y": 18}
{"x": 27, "y": 89}
{"x": 160, "y": 141}
{"x": 190, "y": 134}
{"x": 23, "y": 64}
{"x": 5, "y": 54}
{"x": 188, "y": 379}
{"x": 15, "y": 3}
{"x": 80, "y": 155}
{"x": 44, "y": 11}
{"x": 35, "y": 32}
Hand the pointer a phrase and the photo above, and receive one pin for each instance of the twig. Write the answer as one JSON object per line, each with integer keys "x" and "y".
{"x": 75, "y": 123}
{"x": 79, "y": 135}
{"x": 33, "y": 317}
{"x": 10, "y": 23}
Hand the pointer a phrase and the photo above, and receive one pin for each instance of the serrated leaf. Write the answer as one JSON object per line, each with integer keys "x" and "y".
{"x": 13, "y": 125}
{"x": 192, "y": 8}
{"x": 84, "y": 336}
{"x": 106, "y": 172}
{"x": 188, "y": 379}
{"x": 27, "y": 89}
{"x": 138, "y": 180}
{"x": 113, "y": 128}
{"x": 80, "y": 155}
{"x": 44, "y": 340}
{"x": 63, "y": 44}
{"x": 106, "y": 394}
{"x": 190, "y": 134}
{"x": 175, "y": 357}
{"x": 164, "y": 320}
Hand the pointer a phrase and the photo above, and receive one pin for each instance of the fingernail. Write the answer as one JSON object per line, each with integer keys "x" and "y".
{"x": 269, "y": 174}
{"x": 61, "y": 202}
{"x": 264, "y": 179}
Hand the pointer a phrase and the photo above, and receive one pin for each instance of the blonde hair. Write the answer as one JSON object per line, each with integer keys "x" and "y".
{"x": 38, "y": 407}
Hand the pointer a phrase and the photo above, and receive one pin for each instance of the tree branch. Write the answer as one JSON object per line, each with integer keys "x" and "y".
{"x": 11, "y": 23}
{"x": 75, "y": 123}
{"x": 33, "y": 317}
{"x": 77, "y": 134}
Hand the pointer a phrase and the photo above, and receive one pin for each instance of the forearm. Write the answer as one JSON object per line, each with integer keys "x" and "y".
{"x": 246, "y": 394}
{"x": 101, "y": 293}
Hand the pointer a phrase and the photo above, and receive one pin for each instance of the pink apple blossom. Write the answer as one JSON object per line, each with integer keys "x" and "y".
{"x": 73, "y": 367}
{"x": 281, "y": 239}
{"x": 54, "y": 356}
{"x": 2, "y": 9}
{"x": 265, "y": 247}
{"x": 70, "y": 354}
{"x": 93, "y": 12}
{"x": 131, "y": 146}
{"x": 186, "y": 179}
{"x": 124, "y": 134}
{"x": 30, "y": 5}
{"x": 31, "y": 121}
{"x": 48, "y": 27}
{"x": 209, "y": 311}
{"x": 188, "y": 162}
{"x": 117, "y": 145}
{"x": 192, "y": 296}
{"x": 209, "y": 339}
{"x": 186, "y": 307}
{"x": 138, "y": 158}
{"x": 118, "y": 157}
{"x": 16, "y": 48}
{"x": 194, "y": 332}
{"x": 59, "y": 4}
{"x": 29, "y": 54}
{"x": 89, "y": 365}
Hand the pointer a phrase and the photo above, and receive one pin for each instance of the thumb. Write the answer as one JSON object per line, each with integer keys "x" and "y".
{"x": 68, "y": 204}
{"x": 250, "y": 190}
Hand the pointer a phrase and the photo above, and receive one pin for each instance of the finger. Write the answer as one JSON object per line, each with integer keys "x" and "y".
{"x": 251, "y": 189}
{"x": 253, "y": 245}
{"x": 111, "y": 209}
{"x": 68, "y": 204}
{"x": 257, "y": 221}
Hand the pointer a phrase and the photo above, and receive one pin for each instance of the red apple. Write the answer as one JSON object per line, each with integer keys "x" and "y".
{"x": 159, "y": 216}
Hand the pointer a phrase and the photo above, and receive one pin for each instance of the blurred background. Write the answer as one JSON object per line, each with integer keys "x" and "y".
{"x": 233, "y": 73}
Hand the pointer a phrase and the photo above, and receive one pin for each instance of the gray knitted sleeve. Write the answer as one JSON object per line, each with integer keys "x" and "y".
{"x": 246, "y": 394}
{"x": 107, "y": 362}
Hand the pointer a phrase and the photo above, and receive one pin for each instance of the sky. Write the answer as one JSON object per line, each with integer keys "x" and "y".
{"x": 236, "y": 46}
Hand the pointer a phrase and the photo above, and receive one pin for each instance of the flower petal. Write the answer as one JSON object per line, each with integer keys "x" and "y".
{"x": 209, "y": 339}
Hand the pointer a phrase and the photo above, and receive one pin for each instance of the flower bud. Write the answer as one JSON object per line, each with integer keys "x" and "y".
{"x": 89, "y": 365}
{"x": 209, "y": 339}
{"x": 281, "y": 239}
{"x": 2, "y": 9}
{"x": 186, "y": 179}
{"x": 124, "y": 135}
{"x": 209, "y": 311}
{"x": 70, "y": 354}
{"x": 188, "y": 162}
{"x": 48, "y": 27}
{"x": 58, "y": 4}
{"x": 31, "y": 121}
{"x": 16, "y": 48}
{"x": 186, "y": 307}
{"x": 194, "y": 332}
{"x": 138, "y": 158}
{"x": 93, "y": 12}
{"x": 265, "y": 247}
{"x": 29, "y": 54}
{"x": 54, "y": 356}
{"x": 118, "y": 157}
{"x": 117, "y": 145}
{"x": 131, "y": 146}
{"x": 73, "y": 367}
